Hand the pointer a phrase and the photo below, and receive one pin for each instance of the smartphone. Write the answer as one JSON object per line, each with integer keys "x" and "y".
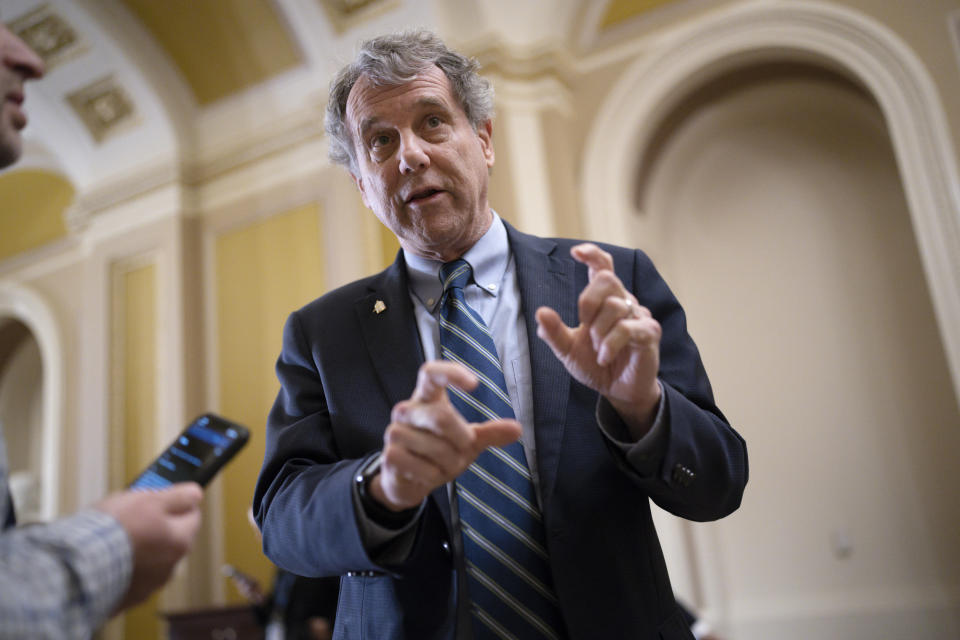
{"x": 201, "y": 450}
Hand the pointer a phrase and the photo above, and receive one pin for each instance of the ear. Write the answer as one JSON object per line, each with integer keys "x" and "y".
{"x": 363, "y": 194}
{"x": 485, "y": 134}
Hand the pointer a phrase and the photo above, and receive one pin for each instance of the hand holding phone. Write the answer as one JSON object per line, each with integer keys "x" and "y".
{"x": 161, "y": 527}
{"x": 201, "y": 450}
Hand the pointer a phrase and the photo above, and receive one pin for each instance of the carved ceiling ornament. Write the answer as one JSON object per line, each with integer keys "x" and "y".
{"x": 345, "y": 14}
{"x": 49, "y": 34}
{"x": 104, "y": 107}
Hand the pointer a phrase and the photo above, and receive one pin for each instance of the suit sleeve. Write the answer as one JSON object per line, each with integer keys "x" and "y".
{"x": 305, "y": 500}
{"x": 302, "y": 498}
{"x": 699, "y": 469}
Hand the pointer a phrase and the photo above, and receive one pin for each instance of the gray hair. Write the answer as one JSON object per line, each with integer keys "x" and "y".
{"x": 396, "y": 59}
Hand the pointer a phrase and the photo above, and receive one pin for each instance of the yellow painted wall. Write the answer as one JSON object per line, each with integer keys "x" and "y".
{"x": 388, "y": 245}
{"x": 32, "y": 203}
{"x": 263, "y": 272}
{"x": 135, "y": 340}
{"x": 622, "y": 10}
{"x": 220, "y": 46}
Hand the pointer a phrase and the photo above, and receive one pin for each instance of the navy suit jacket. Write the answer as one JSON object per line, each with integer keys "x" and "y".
{"x": 344, "y": 365}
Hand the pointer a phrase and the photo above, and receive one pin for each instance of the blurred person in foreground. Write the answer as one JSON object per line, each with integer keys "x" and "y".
{"x": 471, "y": 438}
{"x": 65, "y": 578}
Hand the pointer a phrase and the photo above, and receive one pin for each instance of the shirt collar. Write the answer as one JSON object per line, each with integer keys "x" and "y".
{"x": 488, "y": 258}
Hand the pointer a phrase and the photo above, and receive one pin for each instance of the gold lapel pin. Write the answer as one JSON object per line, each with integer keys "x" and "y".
{"x": 379, "y": 307}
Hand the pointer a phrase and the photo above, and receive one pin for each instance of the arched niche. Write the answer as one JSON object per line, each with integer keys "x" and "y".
{"x": 21, "y": 415}
{"x": 33, "y": 335}
{"x": 833, "y": 37}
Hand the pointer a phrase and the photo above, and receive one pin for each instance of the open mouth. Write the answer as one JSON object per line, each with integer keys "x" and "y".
{"x": 423, "y": 195}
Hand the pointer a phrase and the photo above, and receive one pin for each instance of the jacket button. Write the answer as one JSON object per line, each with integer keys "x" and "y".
{"x": 445, "y": 545}
{"x": 682, "y": 475}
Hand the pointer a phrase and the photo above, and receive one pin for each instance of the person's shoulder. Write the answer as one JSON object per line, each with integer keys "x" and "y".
{"x": 563, "y": 245}
{"x": 621, "y": 254}
{"x": 343, "y": 297}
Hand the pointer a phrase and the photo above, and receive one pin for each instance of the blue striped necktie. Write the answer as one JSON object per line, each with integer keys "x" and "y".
{"x": 511, "y": 592}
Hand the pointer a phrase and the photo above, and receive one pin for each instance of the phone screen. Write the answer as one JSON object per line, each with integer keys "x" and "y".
{"x": 196, "y": 455}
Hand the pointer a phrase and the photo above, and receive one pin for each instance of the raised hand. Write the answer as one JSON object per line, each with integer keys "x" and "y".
{"x": 428, "y": 443}
{"x": 616, "y": 348}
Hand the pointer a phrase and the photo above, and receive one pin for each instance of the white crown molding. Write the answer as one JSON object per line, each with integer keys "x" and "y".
{"x": 300, "y": 135}
{"x": 545, "y": 92}
{"x": 842, "y": 38}
{"x": 117, "y": 192}
{"x": 246, "y": 145}
{"x": 616, "y": 42}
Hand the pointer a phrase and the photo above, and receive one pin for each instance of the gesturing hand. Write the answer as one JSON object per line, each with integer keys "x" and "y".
{"x": 428, "y": 443}
{"x": 616, "y": 348}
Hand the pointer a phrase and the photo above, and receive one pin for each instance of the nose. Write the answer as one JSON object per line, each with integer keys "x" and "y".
{"x": 16, "y": 55}
{"x": 413, "y": 156}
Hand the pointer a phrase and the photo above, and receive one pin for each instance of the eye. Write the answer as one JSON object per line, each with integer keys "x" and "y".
{"x": 434, "y": 121}
{"x": 380, "y": 140}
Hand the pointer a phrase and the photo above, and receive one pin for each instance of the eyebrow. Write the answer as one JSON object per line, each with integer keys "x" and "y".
{"x": 426, "y": 101}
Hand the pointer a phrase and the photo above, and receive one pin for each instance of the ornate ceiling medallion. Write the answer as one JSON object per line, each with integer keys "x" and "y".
{"x": 49, "y": 34}
{"x": 346, "y": 14}
{"x": 104, "y": 107}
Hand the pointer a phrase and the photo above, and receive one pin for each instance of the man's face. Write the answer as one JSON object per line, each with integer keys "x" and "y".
{"x": 421, "y": 166}
{"x": 18, "y": 63}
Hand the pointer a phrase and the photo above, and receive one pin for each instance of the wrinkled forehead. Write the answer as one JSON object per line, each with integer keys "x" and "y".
{"x": 368, "y": 99}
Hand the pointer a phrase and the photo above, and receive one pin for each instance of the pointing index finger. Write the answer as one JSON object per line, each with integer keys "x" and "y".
{"x": 593, "y": 256}
{"x": 434, "y": 376}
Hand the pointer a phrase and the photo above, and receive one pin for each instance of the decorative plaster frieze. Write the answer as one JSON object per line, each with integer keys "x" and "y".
{"x": 541, "y": 93}
{"x": 50, "y": 35}
{"x": 347, "y": 14}
{"x": 543, "y": 59}
{"x": 104, "y": 107}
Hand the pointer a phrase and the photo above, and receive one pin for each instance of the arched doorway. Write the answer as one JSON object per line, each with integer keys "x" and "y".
{"x": 772, "y": 200}
{"x": 31, "y": 396}
{"x": 914, "y": 586}
{"x": 21, "y": 415}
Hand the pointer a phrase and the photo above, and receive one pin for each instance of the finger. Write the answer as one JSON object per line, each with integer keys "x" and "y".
{"x": 443, "y": 420}
{"x": 181, "y": 498}
{"x": 405, "y": 467}
{"x": 593, "y": 256}
{"x": 642, "y": 333}
{"x": 434, "y": 376}
{"x": 613, "y": 310}
{"x": 431, "y": 449}
{"x": 550, "y": 328}
{"x": 497, "y": 433}
{"x": 183, "y": 528}
{"x": 604, "y": 286}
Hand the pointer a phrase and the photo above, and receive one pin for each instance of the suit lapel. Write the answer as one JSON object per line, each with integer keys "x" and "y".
{"x": 392, "y": 339}
{"x": 389, "y": 330}
{"x": 545, "y": 279}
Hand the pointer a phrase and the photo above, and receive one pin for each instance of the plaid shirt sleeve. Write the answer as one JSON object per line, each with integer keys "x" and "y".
{"x": 61, "y": 579}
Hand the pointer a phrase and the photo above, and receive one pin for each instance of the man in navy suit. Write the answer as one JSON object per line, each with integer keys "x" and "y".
{"x": 612, "y": 404}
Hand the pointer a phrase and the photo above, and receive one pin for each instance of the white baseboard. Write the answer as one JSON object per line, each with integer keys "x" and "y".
{"x": 935, "y": 617}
